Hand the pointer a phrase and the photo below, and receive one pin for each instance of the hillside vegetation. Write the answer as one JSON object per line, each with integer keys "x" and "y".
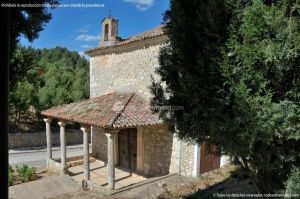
{"x": 43, "y": 78}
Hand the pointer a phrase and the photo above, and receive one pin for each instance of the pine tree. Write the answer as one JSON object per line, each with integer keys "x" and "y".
{"x": 234, "y": 66}
{"x": 189, "y": 66}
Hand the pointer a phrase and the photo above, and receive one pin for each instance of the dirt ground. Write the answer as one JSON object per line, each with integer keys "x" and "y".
{"x": 82, "y": 195}
{"x": 40, "y": 173}
{"x": 224, "y": 180}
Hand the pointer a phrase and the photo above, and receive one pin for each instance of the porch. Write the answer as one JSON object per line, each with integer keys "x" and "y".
{"x": 112, "y": 113}
{"x": 98, "y": 175}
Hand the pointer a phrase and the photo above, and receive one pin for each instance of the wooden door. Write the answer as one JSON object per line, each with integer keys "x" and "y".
{"x": 128, "y": 148}
{"x": 123, "y": 149}
{"x": 210, "y": 158}
{"x": 132, "y": 148}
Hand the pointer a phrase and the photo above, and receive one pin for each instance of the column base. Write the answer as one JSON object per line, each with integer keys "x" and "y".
{"x": 84, "y": 183}
{"x": 64, "y": 170}
{"x": 53, "y": 166}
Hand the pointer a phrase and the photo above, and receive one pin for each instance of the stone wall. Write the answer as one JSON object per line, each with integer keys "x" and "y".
{"x": 154, "y": 148}
{"x": 174, "y": 164}
{"x": 157, "y": 150}
{"x": 128, "y": 71}
{"x": 99, "y": 144}
{"x": 187, "y": 159}
{"x": 37, "y": 139}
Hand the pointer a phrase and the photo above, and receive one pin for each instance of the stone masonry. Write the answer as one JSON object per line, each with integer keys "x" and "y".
{"x": 187, "y": 159}
{"x": 129, "y": 71}
{"x": 128, "y": 67}
{"x": 99, "y": 144}
{"x": 156, "y": 150}
{"x": 37, "y": 139}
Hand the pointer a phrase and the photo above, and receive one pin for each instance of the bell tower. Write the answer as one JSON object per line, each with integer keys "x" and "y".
{"x": 109, "y": 32}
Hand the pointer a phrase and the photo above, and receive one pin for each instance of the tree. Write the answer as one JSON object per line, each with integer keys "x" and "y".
{"x": 40, "y": 87}
{"x": 23, "y": 60}
{"x": 23, "y": 89}
{"x": 234, "y": 67}
{"x": 22, "y": 98}
{"x": 189, "y": 66}
{"x": 293, "y": 182}
{"x": 28, "y": 22}
{"x": 262, "y": 71}
{"x": 71, "y": 85}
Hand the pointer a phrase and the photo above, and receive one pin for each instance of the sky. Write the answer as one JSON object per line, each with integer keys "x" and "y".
{"x": 79, "y": 28}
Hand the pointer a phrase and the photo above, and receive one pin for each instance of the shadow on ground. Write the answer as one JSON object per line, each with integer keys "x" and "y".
{"x": 239, "y": 182}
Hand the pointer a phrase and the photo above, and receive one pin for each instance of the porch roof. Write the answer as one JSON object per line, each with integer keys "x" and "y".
{"x": 113, "y": 110}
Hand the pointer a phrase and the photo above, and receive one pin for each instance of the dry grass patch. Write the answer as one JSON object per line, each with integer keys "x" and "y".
{"x": 203, "y": 182}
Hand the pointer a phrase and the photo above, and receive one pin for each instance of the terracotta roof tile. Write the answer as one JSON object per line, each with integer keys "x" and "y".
{"x": 114, "y": 110}
{"x": 136, "y": 113}
{"x": 155, "y": 32}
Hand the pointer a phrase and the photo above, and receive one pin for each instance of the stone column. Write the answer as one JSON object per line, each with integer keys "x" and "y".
{"x": 48, "y": 138}
{"x": 63, "y": 146}
{"x": 86, "y": 163}
{"x": 110, "y": 134}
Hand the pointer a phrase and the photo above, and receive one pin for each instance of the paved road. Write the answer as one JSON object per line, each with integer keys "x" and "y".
{"x": 37, "y": 157}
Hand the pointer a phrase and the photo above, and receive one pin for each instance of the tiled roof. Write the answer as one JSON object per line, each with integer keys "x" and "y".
{"x": 155, "y": 32}
{"x": 136, "y": 113}
{"x": 114, "y": 110}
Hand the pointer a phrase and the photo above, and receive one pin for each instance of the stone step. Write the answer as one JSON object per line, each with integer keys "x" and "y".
{"x": 79, "y": 162}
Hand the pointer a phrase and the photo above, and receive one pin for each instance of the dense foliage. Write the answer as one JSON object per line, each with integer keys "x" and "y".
{"x": 189, "y": 67}
{"x": 23, "y": 87}
{"x": 239, "y": 82}
{"x": 262, "y": 71}
{"x": 293, "y": 182}
{"x": 28, "y": 22}
{"x": 66, "y": 78}
{"x": 54, "y": 77}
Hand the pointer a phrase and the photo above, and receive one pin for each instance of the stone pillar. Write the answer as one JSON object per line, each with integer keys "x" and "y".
{"x": 180, "y": 156}
{"x": 86, "y": 163}
{"x": 48, "y": 138}
{"x": 63, "y": 146}
{"x": 110, "y": 134}
{"x": 197, "y": 155}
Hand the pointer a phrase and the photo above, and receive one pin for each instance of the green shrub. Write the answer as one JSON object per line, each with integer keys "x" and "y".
{"x": 26, "y": 173}
{"x": 293, "y": 182}
{"x": 11, "y": 178}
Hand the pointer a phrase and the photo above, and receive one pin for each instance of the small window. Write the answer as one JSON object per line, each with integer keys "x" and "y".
{"x": 106, "y": 32}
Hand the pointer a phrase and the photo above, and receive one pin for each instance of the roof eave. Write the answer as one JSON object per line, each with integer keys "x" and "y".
{"x": 110, "y": 49}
